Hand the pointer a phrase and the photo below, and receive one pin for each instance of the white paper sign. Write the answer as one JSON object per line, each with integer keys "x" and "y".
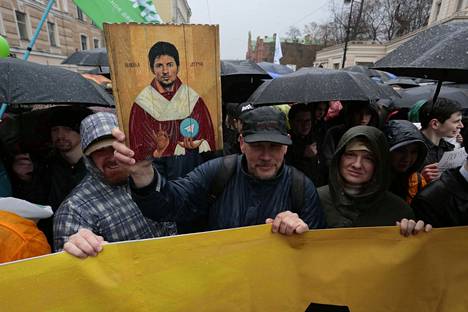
{"x": 452, "y": 159}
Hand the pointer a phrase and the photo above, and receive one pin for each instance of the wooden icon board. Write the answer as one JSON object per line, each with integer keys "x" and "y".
{"x": 159, "y": 115}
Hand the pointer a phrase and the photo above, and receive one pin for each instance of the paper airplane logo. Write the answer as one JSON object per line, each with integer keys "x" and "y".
{"x": 190, "y": 128}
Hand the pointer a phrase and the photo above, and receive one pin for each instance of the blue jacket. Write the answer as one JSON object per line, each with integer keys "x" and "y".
{"x": 245, "y": 200}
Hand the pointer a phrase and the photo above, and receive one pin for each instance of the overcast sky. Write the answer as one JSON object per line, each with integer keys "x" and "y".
{"x": 261, "y": 17}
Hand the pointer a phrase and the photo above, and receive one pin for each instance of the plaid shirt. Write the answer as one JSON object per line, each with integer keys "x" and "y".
{"x": 107, "y": 210}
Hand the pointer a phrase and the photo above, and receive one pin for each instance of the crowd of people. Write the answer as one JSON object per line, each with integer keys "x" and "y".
{"x": 322, "y": 165}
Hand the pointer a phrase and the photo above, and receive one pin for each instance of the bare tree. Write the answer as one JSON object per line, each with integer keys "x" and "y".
{"x": 376, "y": 20}
{"x": 293, "y": 33}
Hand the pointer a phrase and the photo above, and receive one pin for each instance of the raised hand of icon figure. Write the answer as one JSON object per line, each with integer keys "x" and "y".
{"x": 189, "y": 143}
{"x": 161, "y": 138}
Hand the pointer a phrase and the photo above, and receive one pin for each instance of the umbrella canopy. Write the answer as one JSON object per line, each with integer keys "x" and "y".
{"x": 23, "y": 82}
{"x": 275, "y": 70}
{"x": 378, "y": 75}
{"x": 363, "y": 70}
{"x": 404, "y": 83}
{"x": 317, "y": 84}
{"x": 440, "y": 52}
{"x": 410, "y": 96}
{"x": 92, "y": 57}
{"x": 239, "y": 79}
{"x": 246, "y": 67}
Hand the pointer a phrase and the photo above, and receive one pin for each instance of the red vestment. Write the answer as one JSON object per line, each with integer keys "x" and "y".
{"x": 143, "y": 126}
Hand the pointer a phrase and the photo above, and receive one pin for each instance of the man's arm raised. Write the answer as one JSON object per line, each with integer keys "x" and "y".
{"x": 142, "y": 172}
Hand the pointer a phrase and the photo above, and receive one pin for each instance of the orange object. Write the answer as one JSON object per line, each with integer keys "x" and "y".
{"x": 99, "y": 79}
{"x": 415, "y": 185}
{"x": 20, "y": 238}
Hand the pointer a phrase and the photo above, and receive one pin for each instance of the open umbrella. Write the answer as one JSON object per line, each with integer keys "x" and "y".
{"x": 369, "y": 72}
{"x": 317, "y": 84}
{"x": 23, "y": 82}
{"x": 92, "y": 57}
{"x": 275, "y": 70}
{"x": 404, "y": 83}
{"x": 239, "y": 79}
{"x": 440, "y": 52}
{"x": 410, "y": 96}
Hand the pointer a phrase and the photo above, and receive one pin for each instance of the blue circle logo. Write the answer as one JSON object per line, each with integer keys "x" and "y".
{"x": 189, "y": 128}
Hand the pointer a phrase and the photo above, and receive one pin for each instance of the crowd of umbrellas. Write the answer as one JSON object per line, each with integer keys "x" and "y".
{"x": 439, "y": 53}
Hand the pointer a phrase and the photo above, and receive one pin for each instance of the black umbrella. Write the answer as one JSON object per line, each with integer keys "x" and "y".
{"x": 404, "y": 83}
{"x": 317, "y": 84}
{"x": 23, "y": 82}
{"x": 363, "y": 70}
{"x": 103, "y": 70}
{"x": 245, "y": 67}
{"x": 239, "y": 79}
{"x": 369, "y": 72}
{"x": 92, "y": 57}
{"x": 275, "y": 70}
{"x": 410, "y": 96}
{"x": 440, "y": 52}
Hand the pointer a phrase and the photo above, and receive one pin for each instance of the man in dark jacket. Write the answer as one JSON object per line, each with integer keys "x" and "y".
{"x": 438, "y": 120}
{"x": 445, "y": 201}
{"x": 65, "y": 168}
{"x": 302, "y": 154}
{"x": 259, "y": 190}
{"x": 359, "y": 178}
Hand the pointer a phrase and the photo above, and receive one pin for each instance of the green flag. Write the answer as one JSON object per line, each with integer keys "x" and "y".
{"x": 119, "y": 11}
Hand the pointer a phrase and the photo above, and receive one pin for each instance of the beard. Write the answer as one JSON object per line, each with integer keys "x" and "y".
{"x": 114, "y": 174}
{"x": 115, "y": 177}
{"x": 63, "y": 145}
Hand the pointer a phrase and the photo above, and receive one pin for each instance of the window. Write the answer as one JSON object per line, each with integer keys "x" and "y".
{"x": 79, "y": 14}
{"x": 52, "y": 34}
{"x": 336, "y": 65}
{"x": 84, "y": 42}
{"x": 2, "y": 26}
{"x": 96, "y": 43}
{"x": 461, "y": 4}
{"x": 437, "y": 10}
{"x": 65, "y": 5}
{"x": 22, "y": 27}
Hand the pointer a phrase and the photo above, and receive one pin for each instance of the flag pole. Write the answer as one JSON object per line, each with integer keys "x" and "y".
{"x": 38, "y": 29}
{"x": 31, "y": 44}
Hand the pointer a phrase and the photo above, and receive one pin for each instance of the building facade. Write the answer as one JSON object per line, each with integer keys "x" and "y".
{"x": 173, "y": 11}
{"x": 67, "y": 29}
{"x": 297, "y": 54}
{"x": 443, "y": 9}
{"x": 368, "y": 52}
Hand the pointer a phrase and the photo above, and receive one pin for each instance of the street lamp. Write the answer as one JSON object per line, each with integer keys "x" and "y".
{"x": 347, "y": 31}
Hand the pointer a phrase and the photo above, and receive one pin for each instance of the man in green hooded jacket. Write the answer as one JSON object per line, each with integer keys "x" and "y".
{"x": 357, "y": 194}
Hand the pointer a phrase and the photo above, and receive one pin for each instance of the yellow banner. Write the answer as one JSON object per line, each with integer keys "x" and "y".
{"x": 250, "y": 269}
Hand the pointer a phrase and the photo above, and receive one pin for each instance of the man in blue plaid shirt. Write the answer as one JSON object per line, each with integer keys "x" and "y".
{"x": 102, "y": 202}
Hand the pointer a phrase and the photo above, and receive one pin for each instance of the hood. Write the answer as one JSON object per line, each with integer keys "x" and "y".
{"x": 402, "y": 132}
{"x": 351, "y": 107}
{"x": 96, "y": 127}
{"x": 381, "y": 179}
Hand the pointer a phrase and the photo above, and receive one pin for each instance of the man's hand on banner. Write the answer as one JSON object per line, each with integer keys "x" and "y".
{"x": 84, "y": 243}
{"x": 287, "y": 223}
{"x": 142, "y": 172}
{"x": 411, "y": 227}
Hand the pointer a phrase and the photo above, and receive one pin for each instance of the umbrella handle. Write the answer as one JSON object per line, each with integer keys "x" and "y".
{"x": 3, "y": 109}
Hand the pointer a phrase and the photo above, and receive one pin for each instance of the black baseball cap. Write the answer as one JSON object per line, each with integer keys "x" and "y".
{"x": 265, "y": 124}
